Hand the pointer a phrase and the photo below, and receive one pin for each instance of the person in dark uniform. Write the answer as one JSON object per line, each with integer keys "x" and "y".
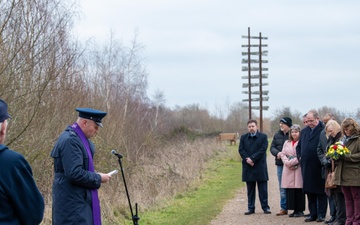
{"x": 75, "y": 185}
{"x": 20, "y": 200}
{"x": 252, "y": 149}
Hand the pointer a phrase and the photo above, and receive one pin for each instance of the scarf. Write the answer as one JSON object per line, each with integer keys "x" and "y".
{"x": 94, "y": 192}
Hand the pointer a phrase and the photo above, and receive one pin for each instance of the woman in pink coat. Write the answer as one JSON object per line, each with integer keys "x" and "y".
{"x": 291, "y": 176}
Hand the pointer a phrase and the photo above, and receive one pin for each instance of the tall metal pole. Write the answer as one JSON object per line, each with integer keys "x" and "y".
{"x": 249, "y": 73}
{"x": 259, "y": 91}
{"x": 260, "y": 82}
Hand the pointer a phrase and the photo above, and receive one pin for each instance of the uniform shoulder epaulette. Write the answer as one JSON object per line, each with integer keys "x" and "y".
{"x": 72, "y": 133}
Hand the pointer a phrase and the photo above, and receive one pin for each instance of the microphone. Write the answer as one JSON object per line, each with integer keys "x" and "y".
{"x": 115, "y": 153}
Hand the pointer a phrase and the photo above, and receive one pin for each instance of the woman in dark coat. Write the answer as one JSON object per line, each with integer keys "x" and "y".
{"x": 333, "y": 131}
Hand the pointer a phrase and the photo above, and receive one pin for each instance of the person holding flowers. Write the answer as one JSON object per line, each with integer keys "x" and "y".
{"x": 347, "y": 172}
{"x": 333, "y": 132}
{"x": 321, "y": 151}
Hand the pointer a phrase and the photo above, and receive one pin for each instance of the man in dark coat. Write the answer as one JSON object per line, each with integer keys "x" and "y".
{"x": 313, "y": 182}
{"x": 74, "y": 195}
{"x": 21, "y": 202}
{"x": 276, "y": 147}
{"x": 252, "y": 149}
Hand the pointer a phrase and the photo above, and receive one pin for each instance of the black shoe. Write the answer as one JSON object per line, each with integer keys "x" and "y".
{"x": 307, "y": 215}
{"x": 310, "y": 219}
{"x": 267, "y": 211}
{"x": 292, "y": 214}
{"x": 249, "y": 212}
{"x": 337, "y": 223}
{"x": 331, "y": 220}
{"x": 298, "y": 214}
{"x": 320, "y": 219}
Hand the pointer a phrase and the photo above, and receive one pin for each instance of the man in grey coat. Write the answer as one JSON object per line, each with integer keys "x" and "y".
{"x": 313, "y": 182}
{"x": 252, "y": 149}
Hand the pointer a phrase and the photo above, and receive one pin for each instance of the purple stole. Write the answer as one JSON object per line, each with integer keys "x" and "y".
{"x": 94, "y": 192}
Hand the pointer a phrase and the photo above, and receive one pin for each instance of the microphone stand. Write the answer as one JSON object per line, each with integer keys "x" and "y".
{"x": 135, "y": 217}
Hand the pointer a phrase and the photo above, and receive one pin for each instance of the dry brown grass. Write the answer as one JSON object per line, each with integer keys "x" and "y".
{"x": 170, "y": 170}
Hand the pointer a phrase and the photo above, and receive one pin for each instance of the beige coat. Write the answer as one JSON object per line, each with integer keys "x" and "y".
{"x": 291, "y": 176}
{"x": 347, "y": 173}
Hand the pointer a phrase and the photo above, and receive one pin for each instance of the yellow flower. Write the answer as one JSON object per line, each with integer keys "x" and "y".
{"x": 336, "y": 150}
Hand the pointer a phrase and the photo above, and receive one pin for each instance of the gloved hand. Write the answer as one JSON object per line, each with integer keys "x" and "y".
{"x": 328, "y": 164}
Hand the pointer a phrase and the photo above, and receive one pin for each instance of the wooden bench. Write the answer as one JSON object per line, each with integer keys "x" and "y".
{"x": 227, "y": 137}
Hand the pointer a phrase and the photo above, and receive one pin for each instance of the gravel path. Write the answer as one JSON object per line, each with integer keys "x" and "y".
{"x": 233, "y": 211}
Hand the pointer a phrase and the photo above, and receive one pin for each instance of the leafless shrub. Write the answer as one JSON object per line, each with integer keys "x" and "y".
{"x": 45, "y": 74}
{"x": 170, "y": 170}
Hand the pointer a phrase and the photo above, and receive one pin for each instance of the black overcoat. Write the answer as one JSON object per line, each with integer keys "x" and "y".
{"x": 306, "y": 150}
{"x": 20, "y": 200}
{"x": 71, "y": 193}
{"x": 277, "y": 145}
{"x": 255, "y": 148}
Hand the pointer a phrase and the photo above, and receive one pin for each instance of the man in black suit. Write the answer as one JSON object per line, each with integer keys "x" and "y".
{"x": 252, "y": 149}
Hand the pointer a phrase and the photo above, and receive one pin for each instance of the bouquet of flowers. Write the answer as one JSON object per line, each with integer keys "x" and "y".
{"x": 337, "y": 150}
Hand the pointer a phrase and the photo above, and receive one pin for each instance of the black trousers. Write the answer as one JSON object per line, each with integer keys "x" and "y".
{"x": 317, "y": 204}
{"x": 340, "y": 206}
{"x": 263, "y": 194}
{"x": 332, "y": 207}
{"x": 295, "y": 199}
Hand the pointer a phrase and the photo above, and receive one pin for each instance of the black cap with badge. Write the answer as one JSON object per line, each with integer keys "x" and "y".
{"x": 92, "y": 114}
{"x": 4, "y": 114}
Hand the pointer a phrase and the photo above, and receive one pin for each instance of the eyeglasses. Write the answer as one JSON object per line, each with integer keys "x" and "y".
{"x": 310, "y": 121}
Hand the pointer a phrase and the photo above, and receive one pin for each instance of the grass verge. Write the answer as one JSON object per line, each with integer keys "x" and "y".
{"x": 202, "y": 203}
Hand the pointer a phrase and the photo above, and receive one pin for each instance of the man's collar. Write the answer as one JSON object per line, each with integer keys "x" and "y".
{"x": 252, "y": 134}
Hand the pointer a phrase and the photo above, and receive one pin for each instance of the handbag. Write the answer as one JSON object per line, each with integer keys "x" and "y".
{"x": 329, "y": 183}
{"x": 292, "y": 158}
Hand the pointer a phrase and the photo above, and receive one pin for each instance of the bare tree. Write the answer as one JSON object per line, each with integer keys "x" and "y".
{"x": 36, "y": 57}
{"x": 159, "y": 101}
{"x": 237, "y": 118}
